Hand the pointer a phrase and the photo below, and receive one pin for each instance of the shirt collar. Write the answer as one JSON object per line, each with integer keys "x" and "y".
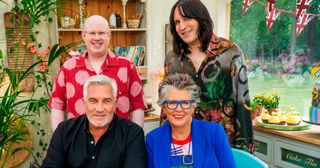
{"x": 111, "y": 60}
{"x": 216, "y": 46}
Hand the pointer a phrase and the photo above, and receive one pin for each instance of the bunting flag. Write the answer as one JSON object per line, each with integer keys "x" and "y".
{"x": 303, "y": 20}
{"x": 271, "y": 4}
{"x": 271, "y": 17}
{"x": 245, "y": 5}
{"x": 272, "y": 13}
{"x": 302, "y": 6}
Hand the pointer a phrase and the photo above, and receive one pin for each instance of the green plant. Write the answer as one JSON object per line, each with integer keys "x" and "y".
{"x": 35, "y": 9}
{"x": 1, "y": 67}
{"x": 17, "y": 111}
{"x": 258, "y": 100}
{"x": 272, "y": 101}
{"x": 28, "y": 13}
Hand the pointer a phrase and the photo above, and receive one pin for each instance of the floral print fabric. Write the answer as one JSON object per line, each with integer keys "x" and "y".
{"x": 68, "y": 88}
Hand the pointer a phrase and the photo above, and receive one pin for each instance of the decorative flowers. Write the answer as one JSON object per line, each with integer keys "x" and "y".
{"x": 40, "y": 55}
{"x": 272, "y": 101}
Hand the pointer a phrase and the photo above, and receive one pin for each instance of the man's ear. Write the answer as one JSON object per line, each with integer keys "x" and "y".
{"x": 83, "y": 34}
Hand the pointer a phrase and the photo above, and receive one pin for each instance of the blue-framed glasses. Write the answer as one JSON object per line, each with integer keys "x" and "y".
{"x": 173, "y": 104}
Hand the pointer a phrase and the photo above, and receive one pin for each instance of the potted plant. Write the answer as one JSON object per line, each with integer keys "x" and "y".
{"x": 257, "y": 105}
{"x": 16, "y": 111}
{"x": 271, "y": 102}
{"x": 254, "y": 110}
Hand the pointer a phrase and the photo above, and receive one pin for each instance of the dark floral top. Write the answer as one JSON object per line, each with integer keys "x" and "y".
{"x": 223, "y": 81}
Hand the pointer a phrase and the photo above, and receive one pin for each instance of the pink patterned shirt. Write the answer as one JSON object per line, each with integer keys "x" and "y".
{"x": 67, "y": 92}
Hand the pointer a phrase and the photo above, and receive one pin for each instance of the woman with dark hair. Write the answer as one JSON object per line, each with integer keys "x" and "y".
{"x": 184, "y": 141}
{"x": 216, "y": 66}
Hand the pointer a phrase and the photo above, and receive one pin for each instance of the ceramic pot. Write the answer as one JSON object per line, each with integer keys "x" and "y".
{"x": 67, "y": 22}
{"x": 259, "y": 110}
{"x": 270, "y": 110}
{"x": 254, "y": 113}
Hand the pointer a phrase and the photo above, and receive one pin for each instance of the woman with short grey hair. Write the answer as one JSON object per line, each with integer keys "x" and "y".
{"x": 185, "y": 141}
{"x": 179, "y": 81}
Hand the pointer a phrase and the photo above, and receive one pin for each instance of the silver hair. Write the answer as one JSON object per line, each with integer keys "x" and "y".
{"x": 95, "y": 19}
{"x": 100, "y": 80}
{"x": 180, "y": 82}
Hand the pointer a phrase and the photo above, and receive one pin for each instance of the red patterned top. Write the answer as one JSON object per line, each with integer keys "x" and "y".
{"x": 67, "y": 92}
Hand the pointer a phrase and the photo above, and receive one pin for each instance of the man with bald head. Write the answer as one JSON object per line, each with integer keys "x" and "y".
{"x": 66, "y": 94}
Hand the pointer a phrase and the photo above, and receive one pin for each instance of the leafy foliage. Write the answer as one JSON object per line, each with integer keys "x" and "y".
{"x": 35, "y": 9}
{"x": 250, "y": 33}
{"x": 15, "y": 110}
{"x": 272, "y": 101}
{"x": 258, "y": 100}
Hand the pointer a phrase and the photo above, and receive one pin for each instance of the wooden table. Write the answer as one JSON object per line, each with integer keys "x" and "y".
{"x": 151, "y": 117}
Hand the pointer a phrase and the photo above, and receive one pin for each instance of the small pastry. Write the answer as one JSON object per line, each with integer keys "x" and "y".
{"x": 278, "y": 112}
{"x": 283, "y": 119}
{"x": 274, "y": 119}
{"x": 293, "y": 118}
{"x": 265, "y": 117}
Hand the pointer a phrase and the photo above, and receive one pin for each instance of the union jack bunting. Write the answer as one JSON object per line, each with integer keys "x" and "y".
{"x": 245, "y": 5}
{"x": 271, "y": 4}
{"x": 302, "y": 6}
{"x": 303, "y": 20}
{"x": 271, "y": 17}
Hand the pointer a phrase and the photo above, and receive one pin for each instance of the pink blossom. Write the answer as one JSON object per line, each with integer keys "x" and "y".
{"x": 38, "y": 53}
{"x": 33, "y": 50}
{"x": 31, "y": 45}
{"x": 23, "y": 42}
{"x": 46, "y": 50}
{"x": 43, "y": 66}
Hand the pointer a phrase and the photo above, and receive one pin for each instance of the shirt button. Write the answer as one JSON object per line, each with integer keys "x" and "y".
{"x": 120, "y": 93}
{"x": 92, "y": 142}
{"x": 197, "y": 75}
{"x": 93, "y": 157}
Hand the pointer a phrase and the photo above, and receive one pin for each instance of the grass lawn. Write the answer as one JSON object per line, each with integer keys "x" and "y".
{"x": 295, "y": 90}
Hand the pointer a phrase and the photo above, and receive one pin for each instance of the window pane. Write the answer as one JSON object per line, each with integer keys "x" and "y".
{"x": 277, "y": 60}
